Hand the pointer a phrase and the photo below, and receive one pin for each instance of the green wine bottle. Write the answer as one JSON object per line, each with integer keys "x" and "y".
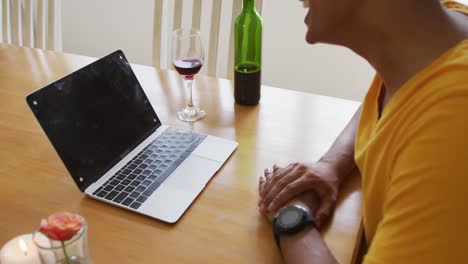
{"x": 248, "y": 55}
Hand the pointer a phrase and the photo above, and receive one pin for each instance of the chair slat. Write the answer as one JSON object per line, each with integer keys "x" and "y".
{"x": 15, "y": 22}
{"x": 214, "y": 37}
{"x": 27, "y": 20}
{"x": 1, "y": 20}
{"x": 177, "y": 19}
{"x": 157, "y": 32}
{"x": 236, "y": 7}
{"x": 259, "y": 6}
{"x": 196, "y": 14}
{"x": 176, "y": 24}
{"x": 40, "y": 27}
{"x": 6, "y": 36}
{"x": 50, "y": 35}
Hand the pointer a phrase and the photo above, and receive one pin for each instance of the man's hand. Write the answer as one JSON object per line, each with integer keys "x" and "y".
{"x": 308, "y": 199}
{"x": 283, "y": 184}
{"x": 303, "y": 246}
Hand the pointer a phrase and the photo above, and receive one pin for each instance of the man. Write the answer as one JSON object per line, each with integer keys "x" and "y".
{"x": 408, "y": 139}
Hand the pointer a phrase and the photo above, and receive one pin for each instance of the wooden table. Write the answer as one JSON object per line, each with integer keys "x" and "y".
{"x": 223, "y": 224}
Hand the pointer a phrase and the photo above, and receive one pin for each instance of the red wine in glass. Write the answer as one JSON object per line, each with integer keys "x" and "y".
{"x": 188, "y": 57}
{"x": 188, "y": 67}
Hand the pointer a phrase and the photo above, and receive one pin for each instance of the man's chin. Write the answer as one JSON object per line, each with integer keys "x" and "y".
{"x": 310, "y": 38}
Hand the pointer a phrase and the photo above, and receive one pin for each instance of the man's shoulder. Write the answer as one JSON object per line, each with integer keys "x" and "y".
{"x": 446, "y": 76}
{"x": 458, "y": 56}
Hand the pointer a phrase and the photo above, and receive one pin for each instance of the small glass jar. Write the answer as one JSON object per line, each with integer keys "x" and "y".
{"x": 72, "y": 251}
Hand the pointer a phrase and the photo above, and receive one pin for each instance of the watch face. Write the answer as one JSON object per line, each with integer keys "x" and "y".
{"x": 289, "y": 218}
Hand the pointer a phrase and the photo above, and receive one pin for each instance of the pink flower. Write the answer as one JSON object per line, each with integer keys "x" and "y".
{"x": 61, "y": 226}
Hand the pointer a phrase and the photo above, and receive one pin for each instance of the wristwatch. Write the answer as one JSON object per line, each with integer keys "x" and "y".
{"x": 291, "y": 220}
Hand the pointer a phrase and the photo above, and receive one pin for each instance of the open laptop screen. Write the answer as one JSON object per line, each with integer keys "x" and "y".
{"x": 94, "y": 116}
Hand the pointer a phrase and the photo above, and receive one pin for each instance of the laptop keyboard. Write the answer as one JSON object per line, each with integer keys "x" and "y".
{"x": 141, "y": 176}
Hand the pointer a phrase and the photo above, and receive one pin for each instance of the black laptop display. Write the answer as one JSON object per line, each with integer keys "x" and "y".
{"x": 95, "y": 116}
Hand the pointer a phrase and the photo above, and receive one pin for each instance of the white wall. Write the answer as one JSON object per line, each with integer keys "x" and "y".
{"x": 290, "y": 62}
{"x": 96, "y": 28}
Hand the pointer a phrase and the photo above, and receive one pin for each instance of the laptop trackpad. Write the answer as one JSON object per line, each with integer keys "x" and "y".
{"x": 193, "y": 174}
{"x": 167, "y": 204}
{"x": 172, "y": 198}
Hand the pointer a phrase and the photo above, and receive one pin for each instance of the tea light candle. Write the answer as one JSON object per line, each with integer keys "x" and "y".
{"x": 20, "y": 250}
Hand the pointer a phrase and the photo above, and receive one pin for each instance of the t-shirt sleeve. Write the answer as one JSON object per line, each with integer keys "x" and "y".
{"x": 425, "y": 214}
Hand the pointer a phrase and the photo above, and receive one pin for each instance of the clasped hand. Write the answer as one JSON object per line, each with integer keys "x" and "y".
{"x": 315, "y": 185}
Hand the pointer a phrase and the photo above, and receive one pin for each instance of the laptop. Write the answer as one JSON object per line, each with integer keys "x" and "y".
{"x": 110, "y": 139}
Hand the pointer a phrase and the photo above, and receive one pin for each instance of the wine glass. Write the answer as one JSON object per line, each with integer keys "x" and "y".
{"x": 188, "y": 57}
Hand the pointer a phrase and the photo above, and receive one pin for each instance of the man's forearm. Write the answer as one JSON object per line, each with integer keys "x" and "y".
{"x": 341, "y": 153}
{"x": 306, "y": 246}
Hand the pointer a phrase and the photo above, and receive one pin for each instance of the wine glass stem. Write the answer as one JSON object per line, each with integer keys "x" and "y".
{"x": 188, "y": 84}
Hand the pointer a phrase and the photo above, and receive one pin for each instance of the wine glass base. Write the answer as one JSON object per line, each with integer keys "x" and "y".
{"x": 191, "y": 114}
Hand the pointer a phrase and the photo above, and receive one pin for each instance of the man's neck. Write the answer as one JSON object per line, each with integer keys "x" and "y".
{"x": 400, "y": 46}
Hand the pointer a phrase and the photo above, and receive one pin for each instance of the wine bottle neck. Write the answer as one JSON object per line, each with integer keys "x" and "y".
{"x": 248, "y": 5}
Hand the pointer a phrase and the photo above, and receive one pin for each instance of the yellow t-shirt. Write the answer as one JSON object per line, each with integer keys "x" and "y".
{"x": 414, "y": 166}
